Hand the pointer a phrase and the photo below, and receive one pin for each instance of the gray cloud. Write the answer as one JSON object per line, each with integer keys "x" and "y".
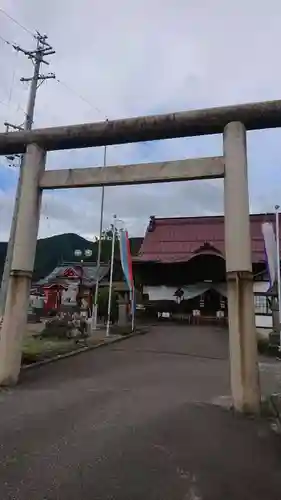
{"x": 129, "y": 58}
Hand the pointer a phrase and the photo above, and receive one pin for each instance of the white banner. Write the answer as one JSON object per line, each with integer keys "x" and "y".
{"x": 270, "y": 250}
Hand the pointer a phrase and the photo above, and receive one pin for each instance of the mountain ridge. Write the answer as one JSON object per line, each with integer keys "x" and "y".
{"x": 55, "y": 249}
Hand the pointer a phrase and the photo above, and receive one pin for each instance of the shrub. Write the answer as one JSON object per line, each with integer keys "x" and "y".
{"x": 263, "y": 345}
{"x": 56, "y": 328}
{"x": 63, "y": 328}
{"x": 273, "y": 343}
{"x": 103, "y": 304}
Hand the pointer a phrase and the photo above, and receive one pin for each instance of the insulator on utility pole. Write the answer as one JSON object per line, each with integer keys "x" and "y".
{"x": 43, "y": 49}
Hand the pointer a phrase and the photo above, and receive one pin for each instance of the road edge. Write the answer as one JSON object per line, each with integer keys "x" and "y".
{"x": 75, "y": 352}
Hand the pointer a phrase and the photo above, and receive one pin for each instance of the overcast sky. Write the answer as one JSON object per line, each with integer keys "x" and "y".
{"x": 125, "y": 58}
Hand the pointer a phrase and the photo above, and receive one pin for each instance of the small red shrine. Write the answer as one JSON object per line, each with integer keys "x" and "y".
{"x": 84, "y": 275}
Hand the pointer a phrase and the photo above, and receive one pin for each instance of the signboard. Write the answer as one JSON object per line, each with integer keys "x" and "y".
{"x": 69, "y": 296}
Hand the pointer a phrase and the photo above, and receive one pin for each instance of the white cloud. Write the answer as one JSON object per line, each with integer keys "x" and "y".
{"x": 141, "y": 57}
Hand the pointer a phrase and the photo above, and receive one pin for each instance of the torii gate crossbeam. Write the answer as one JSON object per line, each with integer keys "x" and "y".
{"x": 254, "y": 116}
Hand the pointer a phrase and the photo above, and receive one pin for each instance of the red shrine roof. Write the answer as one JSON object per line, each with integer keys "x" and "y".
{"x": 89, "y": 272}
{"x": 181, "y": 238}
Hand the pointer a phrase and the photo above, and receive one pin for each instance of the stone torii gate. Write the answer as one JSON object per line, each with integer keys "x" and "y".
{"x": 232, "y": 166}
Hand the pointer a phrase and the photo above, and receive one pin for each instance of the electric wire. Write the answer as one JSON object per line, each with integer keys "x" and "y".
{"x": 13, "y": 79}
{"x": 60, "y": 81}
{"x": 17, "y": 22}
{"x": 81, "y": 97}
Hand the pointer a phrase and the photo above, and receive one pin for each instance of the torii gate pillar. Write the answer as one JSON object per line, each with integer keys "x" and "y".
{"x": 244, "y": 372}
{"x": 15, "y": 315}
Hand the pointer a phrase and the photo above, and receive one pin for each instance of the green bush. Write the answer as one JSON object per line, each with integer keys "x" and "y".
{"x": 274, "y": 341}
{"x": 103, "y": 304}
{"x": 263, "y": 345}
{"x": 63, "y": 328}
{"x": 56, "y": 328}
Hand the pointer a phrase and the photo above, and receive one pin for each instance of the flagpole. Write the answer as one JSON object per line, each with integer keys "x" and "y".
{"x": 95, "y": 304}
{"x": 128, "y": 273}
{"x": 133, "y": 308}
{"x": 111, "y": 276}
{"x": 126, "y": 264}
{"x": 277, "y": 207}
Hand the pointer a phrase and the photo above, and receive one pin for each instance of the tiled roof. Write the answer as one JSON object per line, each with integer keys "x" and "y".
{"x": 179, "y": 239}
{"x": 90, "y": 273}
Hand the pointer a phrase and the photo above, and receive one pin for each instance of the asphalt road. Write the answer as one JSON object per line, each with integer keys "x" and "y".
{"x": 135, "y": 421}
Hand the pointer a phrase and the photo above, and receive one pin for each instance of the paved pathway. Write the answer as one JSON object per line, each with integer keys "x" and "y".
{"x": 135, "y": 421}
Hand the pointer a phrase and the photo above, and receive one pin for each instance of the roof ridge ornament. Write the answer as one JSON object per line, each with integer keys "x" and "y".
{"x": 152, "y": 224}
{"x": 207, "y": 246}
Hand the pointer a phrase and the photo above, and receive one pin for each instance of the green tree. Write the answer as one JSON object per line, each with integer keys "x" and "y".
{"x": 103, "y": 304}
{"x": 107, "y": 234}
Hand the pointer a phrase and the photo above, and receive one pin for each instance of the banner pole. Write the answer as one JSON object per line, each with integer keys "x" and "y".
{"x": 133, "y": 308}
{"x": 278, "y": 269}
{"x": 111, "y": 277}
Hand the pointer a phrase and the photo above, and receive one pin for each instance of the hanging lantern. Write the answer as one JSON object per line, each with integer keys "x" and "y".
{"x": 88, "y": 252}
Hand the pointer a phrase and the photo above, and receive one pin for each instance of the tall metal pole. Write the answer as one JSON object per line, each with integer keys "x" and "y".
{"x": 111, "y": 276}
{"x": 133, "y": 298}
{"x": 277, "y": 207}
{"x": 43, "y": 48}
{"x": 95, "y": 304}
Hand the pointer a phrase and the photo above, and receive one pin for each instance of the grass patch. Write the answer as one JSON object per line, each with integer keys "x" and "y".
{"x": 37, "y": 349}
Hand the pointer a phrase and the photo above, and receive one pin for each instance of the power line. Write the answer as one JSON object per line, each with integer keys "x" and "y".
{"x": 17, "y": 22}
{"x": 5, "y": 41}
{"x": 46, "y": 48}
{"x": 80, "y": 96}
{"x": 13, "y": 72}
{"x": 145, "y": 144}
{"x": 13, "y": 79}
{"x": 58, "y": 80}
{"x": 16, "y": 47}
{"x": 4, "y": 103}
{"x": 17, "y": 107}
{"x": 61, "y": 82}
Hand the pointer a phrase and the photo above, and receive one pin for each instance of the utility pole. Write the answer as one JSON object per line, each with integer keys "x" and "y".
{"x": 43, "y": 48}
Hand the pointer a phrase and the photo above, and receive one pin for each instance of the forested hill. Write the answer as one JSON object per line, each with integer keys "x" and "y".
{"x": 59, "y": 248}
